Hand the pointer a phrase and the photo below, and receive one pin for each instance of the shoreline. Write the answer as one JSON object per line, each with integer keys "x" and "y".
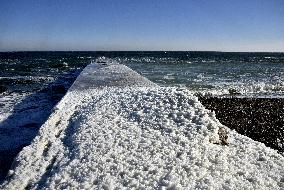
{"x": 261, "y": 119}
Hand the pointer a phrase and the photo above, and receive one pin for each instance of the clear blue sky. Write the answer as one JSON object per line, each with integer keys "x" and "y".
{"x": 220, "y": 25}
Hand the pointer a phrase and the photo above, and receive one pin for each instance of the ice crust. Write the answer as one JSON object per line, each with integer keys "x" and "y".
{"x": 128, "y": 136}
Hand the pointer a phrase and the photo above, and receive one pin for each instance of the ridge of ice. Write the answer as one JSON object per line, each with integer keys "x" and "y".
{"x": 142, "y": 138}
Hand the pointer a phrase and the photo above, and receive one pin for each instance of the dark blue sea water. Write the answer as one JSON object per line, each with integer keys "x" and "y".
{"x": 31, "y": 83}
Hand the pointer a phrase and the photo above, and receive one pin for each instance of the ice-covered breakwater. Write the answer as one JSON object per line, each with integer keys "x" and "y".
{"x": 116, "y": 129}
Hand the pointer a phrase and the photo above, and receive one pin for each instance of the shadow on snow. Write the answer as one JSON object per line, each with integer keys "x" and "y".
{"x": 19, "y": 129}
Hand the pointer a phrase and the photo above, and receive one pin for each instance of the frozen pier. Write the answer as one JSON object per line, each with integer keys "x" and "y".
{"x": 116, "y": 129}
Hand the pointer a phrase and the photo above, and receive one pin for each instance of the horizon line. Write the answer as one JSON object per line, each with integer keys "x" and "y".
{"x": 18, "y": 51}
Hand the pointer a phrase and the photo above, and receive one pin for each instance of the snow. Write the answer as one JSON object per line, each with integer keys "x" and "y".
{"x": 116, "y": 130}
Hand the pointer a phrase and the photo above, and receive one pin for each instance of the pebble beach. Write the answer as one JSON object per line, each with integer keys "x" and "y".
{"x": 258, "y": 118}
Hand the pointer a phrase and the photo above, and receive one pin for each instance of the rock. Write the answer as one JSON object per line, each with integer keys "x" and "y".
{"x": 223, "y": 136}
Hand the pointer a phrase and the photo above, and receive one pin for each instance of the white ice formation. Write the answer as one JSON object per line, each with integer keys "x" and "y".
{"x": 115, "y": 129}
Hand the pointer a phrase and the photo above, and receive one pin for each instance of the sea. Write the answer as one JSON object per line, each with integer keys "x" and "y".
{"x": 32, "y": 83}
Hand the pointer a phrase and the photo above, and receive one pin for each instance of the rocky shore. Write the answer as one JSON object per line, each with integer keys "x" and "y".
{"x": 261, "y": 119}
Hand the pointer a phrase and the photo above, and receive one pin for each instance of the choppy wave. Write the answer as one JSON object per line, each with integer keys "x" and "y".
{"x": 251, "y": 89}
{"x": 253, "y": 76}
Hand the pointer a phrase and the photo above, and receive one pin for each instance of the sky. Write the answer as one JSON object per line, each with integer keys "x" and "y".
{"x": 119, "y": 25}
